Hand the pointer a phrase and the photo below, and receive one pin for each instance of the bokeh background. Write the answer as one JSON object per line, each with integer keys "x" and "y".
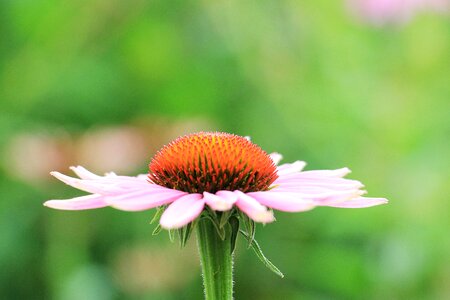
{"x": 106, "y": 83}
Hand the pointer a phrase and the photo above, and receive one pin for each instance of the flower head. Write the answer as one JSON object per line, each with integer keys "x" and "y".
{"x": 222, "y": 171}
{"x": 211, "y": 162}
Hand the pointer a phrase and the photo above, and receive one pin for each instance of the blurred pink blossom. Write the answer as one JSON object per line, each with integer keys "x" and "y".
{"x": 121, "y": 148}
{"x": 382, "y": 12}
{"x": 29, "y": 156}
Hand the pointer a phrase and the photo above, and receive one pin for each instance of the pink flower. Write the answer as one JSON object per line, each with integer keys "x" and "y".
{"x": 382, "y": 12}
{"x": 220, "y": 171}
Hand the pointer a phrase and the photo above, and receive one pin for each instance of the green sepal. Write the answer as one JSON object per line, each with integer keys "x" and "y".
{"x": 181, "y": 232}
{"x": 211, "y": 213}
{"x": 185, "y": 232}
{"x": 254, "y": 244}
{"x": 172, "y": 235}
{"x": 159, "y": 211}
{"x": 156, "y": 217}
{"x": 224, "y": 217}
{"x": 250, "y": 227}
{"x": 157, "y": 230}
{"x": 220, "y": 230}
{"x": 234, "y": 223}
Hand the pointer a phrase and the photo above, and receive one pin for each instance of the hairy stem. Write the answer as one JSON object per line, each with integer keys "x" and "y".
{"x": 216, "y": 260}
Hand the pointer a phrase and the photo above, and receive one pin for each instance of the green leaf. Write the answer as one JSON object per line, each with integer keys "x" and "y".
{"x": 260, "y": 254}
{"x": 234, "y": 223}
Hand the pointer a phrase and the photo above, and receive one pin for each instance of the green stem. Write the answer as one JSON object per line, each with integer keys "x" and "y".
{"x": 216, "y": 260}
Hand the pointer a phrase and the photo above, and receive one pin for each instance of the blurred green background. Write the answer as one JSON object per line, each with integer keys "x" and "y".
{"x": 105, "y": 83}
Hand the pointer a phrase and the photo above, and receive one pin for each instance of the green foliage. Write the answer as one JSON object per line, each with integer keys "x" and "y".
{"x": 258, "y": 251}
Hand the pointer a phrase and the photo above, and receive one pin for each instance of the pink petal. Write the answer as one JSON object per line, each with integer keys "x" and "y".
{"x": 89, "y": 186}
{"x": 326, "y": 182}
{"x": 110, "y": 184}
{"x": 221, "y": 201}
{"x": 294, "y": 167}
{"x": 127, "y": 183}
{"x": 143, "y": 177}
{"x": 78, "y": 203}
{"x": 291, "y": 202}
{"x": 324, "y": 173}
{"x": 276, "y": 157}
{"x": 83, "y": 173}
{"x": 299, "y": 178}
{"x": 253, "y": 208}
{"x": 336, "y": 198}
{"x": 360, "y": 202}
{"x": 326, "y": 190}
{"x": 111, "y": 177}
{"x": 182, "y": 211}
{"x": 143, "y": 199}
{"x": 310, "y": 190}
{"x": 316, "y": 188}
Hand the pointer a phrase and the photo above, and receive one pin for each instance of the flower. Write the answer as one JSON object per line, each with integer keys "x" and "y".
{"x": 217, "y": 170}
{"x": 383, "y": 12}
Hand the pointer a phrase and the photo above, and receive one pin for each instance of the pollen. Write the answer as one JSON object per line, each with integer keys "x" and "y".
{"x": 210, "y": 162}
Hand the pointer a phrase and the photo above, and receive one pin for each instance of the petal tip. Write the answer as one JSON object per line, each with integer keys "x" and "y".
{"x": 220, "y": 201}
{"x": 167, "y": 226}
{"x": 75, "y": 168}
{"x": 264, "y": 217}
{"x": 52, "y": 204}
{"x": 276, "y": 157}
{"x": 171, "y": 224}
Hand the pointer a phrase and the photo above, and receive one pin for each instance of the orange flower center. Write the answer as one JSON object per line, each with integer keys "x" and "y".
{"x": 212, "y": 161}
